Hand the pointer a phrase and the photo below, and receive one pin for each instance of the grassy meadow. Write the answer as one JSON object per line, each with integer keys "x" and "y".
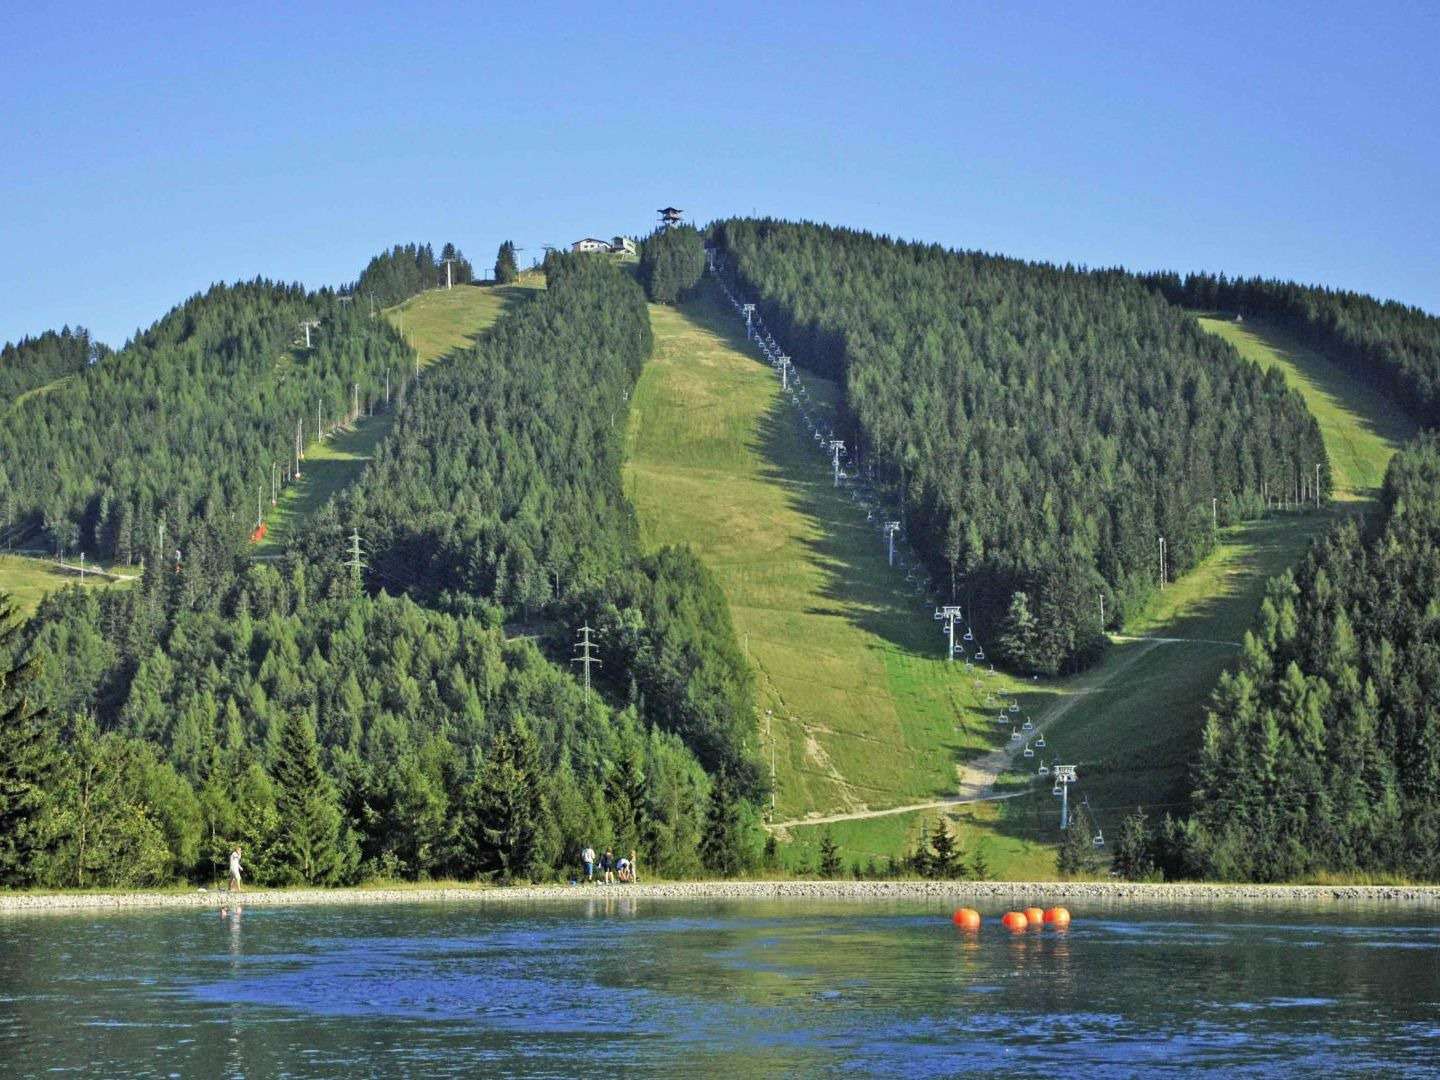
{"x": 27, "y": 579}
{"x": 436, "y": 324}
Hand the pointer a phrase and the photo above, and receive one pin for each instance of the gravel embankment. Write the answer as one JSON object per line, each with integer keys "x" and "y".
{"x": 995, "y": 893}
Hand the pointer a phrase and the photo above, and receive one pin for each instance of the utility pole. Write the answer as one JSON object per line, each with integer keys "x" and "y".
{"x": 354, "y": 562}
{"x": 274, "y": 483}
{"x": 1317, "y": 485}
{"x": 949, "y": 613}
{"x": 891, "y": 528}
{"x": 1162, "y": 562}
{"x": 770, "y": 738}
{"x": 319, "y": 429}
{"x": 784, "y": 373}
{"x": 259, "y": 502}
{"x": 1214, "y": 512}
{"x": 307, "y": 325}
{"x": 1064, "y": 777}
{"x": 299, "y": 440}
{"x": 448, "y": 282}
{"x": 837, "y": 447}
{"x": 1102, "y": 611}
{"x": 387, "y": 388}
{"x": 585, "y": 645}
{"x": 355, "y": 402}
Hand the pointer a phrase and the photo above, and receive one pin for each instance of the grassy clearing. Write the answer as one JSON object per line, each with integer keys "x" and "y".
{"x": 866, "y": 712}
{"x": 1135, "y": 737}
{"x": 436, "y": 324}
{"x": 28, "y": 579}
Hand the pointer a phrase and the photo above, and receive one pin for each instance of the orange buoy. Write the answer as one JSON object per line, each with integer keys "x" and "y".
{"x": 967, "y": 919}
{"x": 1034, "y": 916}
{"x": 1057, "y": 916}
{"x": 1015, "y": 920}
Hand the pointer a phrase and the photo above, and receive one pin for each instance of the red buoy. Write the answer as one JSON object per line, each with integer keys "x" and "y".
{"x": 967, "y": 919}
{"x": 1034, "y": 916}
{"x": 1015, "y": 920}
{"x": 1057, "y": 916}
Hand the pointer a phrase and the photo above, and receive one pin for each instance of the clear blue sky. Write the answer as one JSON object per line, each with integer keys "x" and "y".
{"x": 147, "y": 156}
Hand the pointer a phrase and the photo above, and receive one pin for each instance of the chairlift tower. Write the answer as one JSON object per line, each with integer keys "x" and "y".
{"x": 784, "y": 373}
{"x": 306, "y": 325}
{"x": 748, "y": 310}
{"x": 949, "y": 614}
{"x": 1162, "y": 562}
{"x": 1064, "y": 777}
{"x": 837, "y": 447}
{"x": 449, "y": 276}
{"x": 891, "y": 528}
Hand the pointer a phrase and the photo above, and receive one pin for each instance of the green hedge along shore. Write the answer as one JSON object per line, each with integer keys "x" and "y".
{"x": 1015, "y": 892}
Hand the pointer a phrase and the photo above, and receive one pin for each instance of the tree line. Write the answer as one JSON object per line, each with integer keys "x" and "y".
{"x": 406, "y": 270}
{"x": 33, "y": 362}
{"x": 1038, "y": 427}
{"x": 1394, "y": 345}
{"x": 672, "y": 261}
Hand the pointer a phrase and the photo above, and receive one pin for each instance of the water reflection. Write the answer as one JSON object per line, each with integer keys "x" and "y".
{"x": 714, "y": 989}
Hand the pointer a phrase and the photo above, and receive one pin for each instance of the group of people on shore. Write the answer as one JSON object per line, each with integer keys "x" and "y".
{"x": 611, "y": 869}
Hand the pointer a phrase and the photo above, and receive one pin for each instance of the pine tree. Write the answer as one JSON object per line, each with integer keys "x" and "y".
{"x": 28, "y": 757}
{"x": 1134, "y": 858}
{"x": 722, "y": 848}
{"x": 1017, "y": 633}
{"x": 943, "y": 863}
{"x": 980, "y": 863}
{"x": 1077, "y": 848}
{"x": 506, "y": 811}
{"x": 309, "y": 845}
{"x": 507, "y": 270}
{"x": 829, "y": 856}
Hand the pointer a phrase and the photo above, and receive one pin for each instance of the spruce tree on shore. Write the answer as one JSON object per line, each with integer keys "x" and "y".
{"x": 309, "y": 847}
{"x": 28, "y": 755}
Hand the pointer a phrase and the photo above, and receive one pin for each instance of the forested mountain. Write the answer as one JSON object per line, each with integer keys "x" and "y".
{"x": 1393, "y": 345}
{"x": 501, "y": 479}
{"x": 1041, "y": 426}
{"x": 405, "y": 270}
{"x": 37, "y": 361}
{"x": 339, "y": 732}
{"x": 183, "y": 425}
{"x": 1322, "y": 752}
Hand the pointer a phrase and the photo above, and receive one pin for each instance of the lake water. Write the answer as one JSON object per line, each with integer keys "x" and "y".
{"x": 718, "y": 989}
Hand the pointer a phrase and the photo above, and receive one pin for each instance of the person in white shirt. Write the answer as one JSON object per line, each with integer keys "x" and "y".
{"x": 235, "y": 870}
{"x": 588, "y": 858}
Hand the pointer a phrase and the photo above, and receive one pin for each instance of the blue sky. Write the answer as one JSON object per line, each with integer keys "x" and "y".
{"x": 149, "y": 155}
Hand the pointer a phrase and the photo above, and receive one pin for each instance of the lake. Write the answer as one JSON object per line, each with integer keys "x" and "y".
{"x": 652, "y": 988}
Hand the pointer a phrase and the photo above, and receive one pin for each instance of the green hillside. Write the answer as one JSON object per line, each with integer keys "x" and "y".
{"x": 865, "y": 715}
{"x": 435, "y": 324}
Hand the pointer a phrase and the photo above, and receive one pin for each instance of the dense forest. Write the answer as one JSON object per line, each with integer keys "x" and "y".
{"x": 671, "y": 262}
{"x": 34, "y": 362}
{"x": 1039, "y": 427}
{"x": 1322, "y": 752}
{"x": 1393, "y": 345}
{"x": 405, "y": 270}
{"x": 183, "y": 427}
{"x": 340, "y": 732}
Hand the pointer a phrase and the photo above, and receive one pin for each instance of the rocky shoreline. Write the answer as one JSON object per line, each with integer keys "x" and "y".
{"x": 995, "y": 892}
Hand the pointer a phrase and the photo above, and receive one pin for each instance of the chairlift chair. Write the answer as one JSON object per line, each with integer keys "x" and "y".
{"x": 1028, "y": 751}
{"x": 980, "y": 654}
{"x": 1099, "y": 838}
{"x": 1041, "y": 740}
{"x": 1029, "y": 725}
{"x": 1014, "y": 706}
{"x": 968, "y": 635}
{"x": 1056, "y": 789}
{"x": 1044, "y": 769}
{"x": 1014, "y": 735}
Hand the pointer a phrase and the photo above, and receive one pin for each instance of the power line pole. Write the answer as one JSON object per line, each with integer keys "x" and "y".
{"x": 299, "y": 444}
{"x": 891, "y": 528}
{"x": 770, "y": 738}
{"x": 1317, "y": 485}
{"x": 355, "y": 563}
{"x": 1214, "y": 512}
{"x": 1162, "y": 562}
{"x": 354, "y": 401}
{"x": 306, "y": 325}
{"x": 585, "y": 645}
{"x": 274, "y": 483}
{"x": 1102, "y": 611}
{"x": 448, "y": 282}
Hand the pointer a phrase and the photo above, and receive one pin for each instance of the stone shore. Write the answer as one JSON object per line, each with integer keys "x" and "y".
{"x": 988, "y": 894}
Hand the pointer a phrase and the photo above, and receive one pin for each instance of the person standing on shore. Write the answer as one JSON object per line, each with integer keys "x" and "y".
{"x": 588, "y": 858}
{"x": 607, "y": 865}
{"x": 235, "y": 870}
{"x": 634, "y": 868}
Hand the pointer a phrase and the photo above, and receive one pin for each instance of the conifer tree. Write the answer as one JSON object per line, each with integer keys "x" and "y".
{"x": 507, "y": 270}
{"x": 944, "y": 861}
{"x": 28, "y": 756}
{"x": 309, "y": 845}
{"x": 1077, "y": 847}
{"x": 980, "y": 863}
{"x": 722, "y": 848}
{"x": 829, "y": 855}
{"x": 1134, "y": 858}
{"x": 506, "y": 809}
